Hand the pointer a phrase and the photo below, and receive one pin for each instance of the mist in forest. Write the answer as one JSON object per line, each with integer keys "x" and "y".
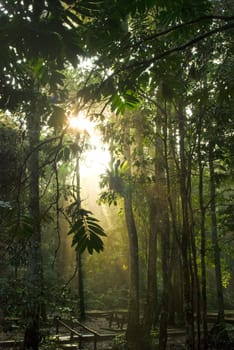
{"x": 105, "y": 274}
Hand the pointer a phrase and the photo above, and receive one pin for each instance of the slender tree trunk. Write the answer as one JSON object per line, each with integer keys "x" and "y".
{"x": 79, "y": 258}
{"x": 165, "y": 276}
{"x": 196, "y": 287}
{"x": 219, "y": 287}
{"x": 133, "y": 328}
{"x": 133, "y": 308}
{"x": 185, "y": 244}
{"x": 31, "y": 337}
{"x": 151, "y": 296}
{"x": 80, "y": 286}
{"x": 150, "y": 307}
{"x": 163, "y": 220}
{"x": 196, "y": 291}
{"x": 175, "y": 269}
{"x": 203, "y": 244}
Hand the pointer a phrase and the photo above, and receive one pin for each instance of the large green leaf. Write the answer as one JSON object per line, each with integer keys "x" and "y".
{"x": 86, "y": 230}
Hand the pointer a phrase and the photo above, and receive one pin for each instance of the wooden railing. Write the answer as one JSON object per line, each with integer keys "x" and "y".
{"x": 74, "y": 332}
{"x": 118, "y": 317}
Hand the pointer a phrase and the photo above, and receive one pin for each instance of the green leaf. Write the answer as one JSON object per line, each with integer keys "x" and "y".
{"x": 85, "y": 230}
{"x": 131, "y": 101}
{"x": 57, "y": 118}
{"x": 117, "y": 104}
{"x": 20, "y": 226}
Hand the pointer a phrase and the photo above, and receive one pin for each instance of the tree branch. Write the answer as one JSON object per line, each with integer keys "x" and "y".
{"x": 178, "y": 26}
{"x": 166, "y": 53}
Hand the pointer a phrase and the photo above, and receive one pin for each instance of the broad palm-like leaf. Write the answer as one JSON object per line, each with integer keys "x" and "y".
{"x": 86, "y": 232}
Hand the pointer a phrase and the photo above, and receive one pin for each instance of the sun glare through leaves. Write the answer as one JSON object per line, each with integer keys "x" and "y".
{"x": 97, "y": 157}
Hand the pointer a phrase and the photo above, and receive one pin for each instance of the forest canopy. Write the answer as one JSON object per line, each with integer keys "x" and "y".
{"x": 156, "y": 79}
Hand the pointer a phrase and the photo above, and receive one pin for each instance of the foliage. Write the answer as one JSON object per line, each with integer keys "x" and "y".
{"x": 10, "y": 158}
{"x": 115, "y": 180}
{"x": 16, "y": 229}
{"x": 12, "y": 297}
{"x": 170, "y": 64}
{"x": 85, "y": 229}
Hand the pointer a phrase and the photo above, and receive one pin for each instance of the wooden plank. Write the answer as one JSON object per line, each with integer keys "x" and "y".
{"x": 97, "y": 313}
{"x": 4, "y": 344}
{"x": 107, "y": 336}
{"x": 94, "y": 332}
{"x": 66, "y": 326}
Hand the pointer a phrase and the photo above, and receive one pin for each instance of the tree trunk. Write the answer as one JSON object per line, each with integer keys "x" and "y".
{"x": 175, "y": 266}
{"x": 165, "y": 276}
{"x": 79, "y": 257}
{"x": 203, "y": 245}
{"x": 151, "y": 296}
{"x": 132, "y": 334}
{"x": 219, "y": 287}
{"x": 133, "y": 308}
{"x": 31, "y": 337}
{"x": 163, "y": 220}
{"x": 195, "y": 284}
{"x": 185, "y": 243}
{"x": 80, "y": 287}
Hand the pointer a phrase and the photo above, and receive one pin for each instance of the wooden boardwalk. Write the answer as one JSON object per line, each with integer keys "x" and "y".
{"x": 68, "y": 334}
{"x": 78, "y": 333}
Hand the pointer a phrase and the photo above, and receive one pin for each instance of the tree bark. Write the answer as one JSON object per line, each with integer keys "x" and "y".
{"x": 151, "y": 294}
{"x": 203, "y": 244}
{"x": 163, "y": 220}
{"x": 31, "y": 337}
{"x": 133, "y": 328}
{"x": 133, "y": 308}
{"x": 80, "y": 286}
{"x": 175, "y": 265}
{"x": 79, "y": 257}
{"x": 185, "y": 243}
{"x": 218, "y": 273}
{"x": 165, "y": 276}
{"x": 195, "y": 284}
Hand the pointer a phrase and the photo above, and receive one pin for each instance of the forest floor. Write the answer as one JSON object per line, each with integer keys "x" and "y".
{"x": 98, "y": 322}
{"x": 11, "y": 334}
